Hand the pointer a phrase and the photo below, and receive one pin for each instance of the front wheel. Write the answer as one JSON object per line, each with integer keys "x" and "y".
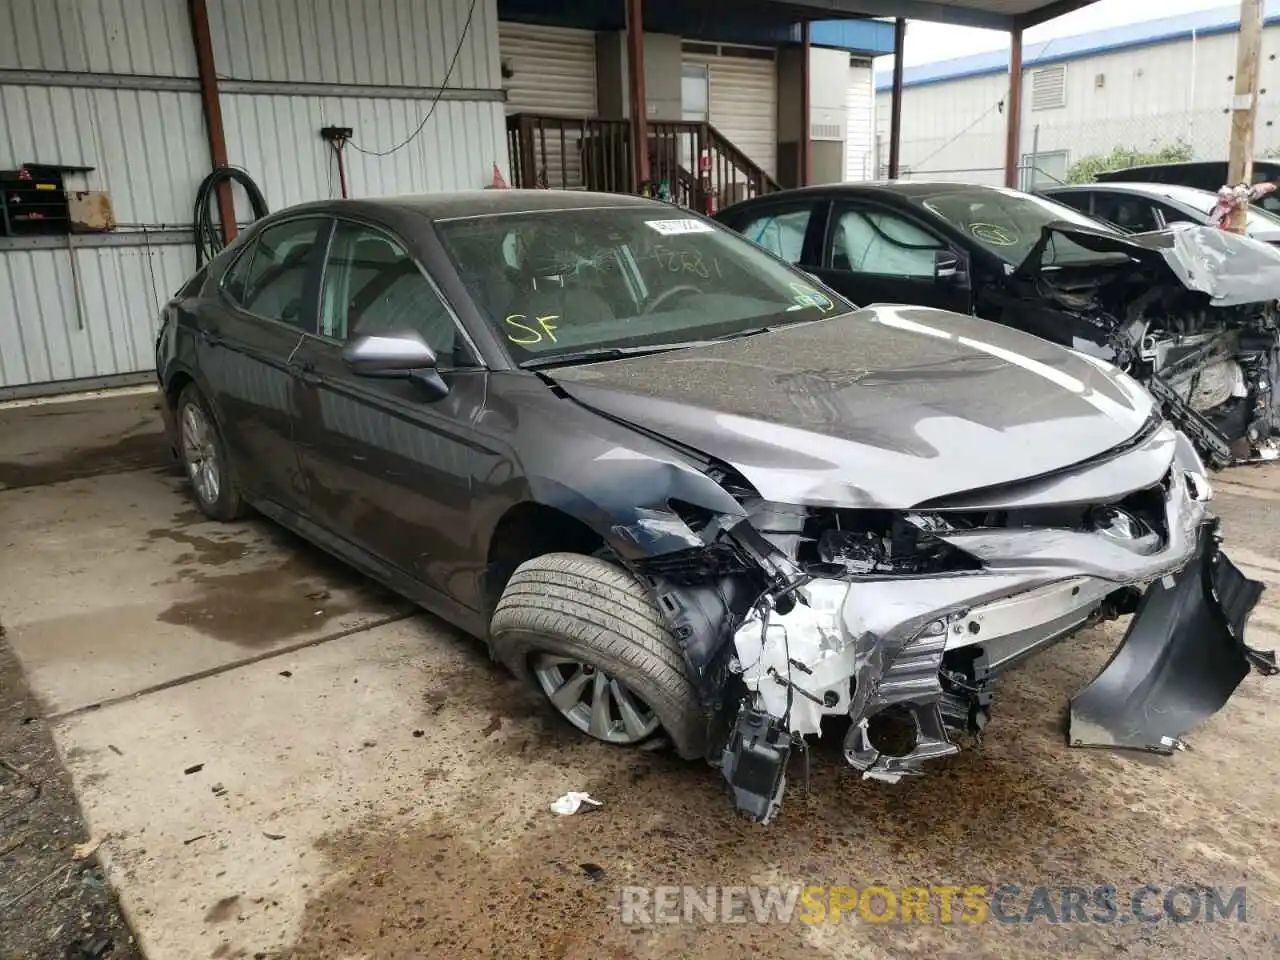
{"x": 204, "y": 458}
{"x": 592, "y": 639}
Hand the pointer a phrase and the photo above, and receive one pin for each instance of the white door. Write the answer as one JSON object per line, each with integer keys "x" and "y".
{"x": 743, "y": 102}
{"x": 859, "y": 144}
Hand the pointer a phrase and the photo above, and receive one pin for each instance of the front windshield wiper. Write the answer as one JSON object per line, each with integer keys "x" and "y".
{"x": 608, "y": 353}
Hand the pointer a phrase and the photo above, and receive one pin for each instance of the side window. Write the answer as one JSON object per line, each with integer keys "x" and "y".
{"x": 781, "y": 232}
{"x": 373, "y": 287}
{"x": 1129, "y": 213}
{"x": 876, "y": 241}
{"x": 270, "y": 279}
{"x": 1075, "y": 199}
{"x": 1174, "y": 215}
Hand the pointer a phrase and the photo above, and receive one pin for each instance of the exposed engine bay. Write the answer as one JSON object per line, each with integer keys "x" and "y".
{"x": 903, "y": 620}
{"x": 1208, "y": 353}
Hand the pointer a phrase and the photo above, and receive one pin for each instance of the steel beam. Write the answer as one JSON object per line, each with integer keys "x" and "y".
{"x": 212, "y": 111}
{"x": 895, "y": 99}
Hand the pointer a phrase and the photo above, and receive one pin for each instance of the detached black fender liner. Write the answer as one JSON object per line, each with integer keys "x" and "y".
{"x": 1182, "y": 657}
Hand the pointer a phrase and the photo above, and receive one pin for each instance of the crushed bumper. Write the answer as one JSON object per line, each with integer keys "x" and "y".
{"x": 1182, "y": 658}
{"x": 921, "y": 651}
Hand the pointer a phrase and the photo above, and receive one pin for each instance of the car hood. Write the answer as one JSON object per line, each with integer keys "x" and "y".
{"x": 1229, "y": 268}
{"x": 891, "y": 406}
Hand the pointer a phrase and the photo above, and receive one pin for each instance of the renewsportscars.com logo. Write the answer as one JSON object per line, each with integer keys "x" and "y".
{"x": 935, "y": 904}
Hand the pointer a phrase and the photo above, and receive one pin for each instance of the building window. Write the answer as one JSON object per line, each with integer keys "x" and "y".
{"x": 1049, "y": 87}
{"x": 1045, "y": 169}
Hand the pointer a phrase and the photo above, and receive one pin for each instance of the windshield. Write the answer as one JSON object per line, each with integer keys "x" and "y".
{"x": 572, "y": 281}
{"x": 1259, "y": 220}
{"x": 1009, "y": 223}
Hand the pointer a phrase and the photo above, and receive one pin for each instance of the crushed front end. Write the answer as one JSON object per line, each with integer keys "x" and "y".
{"x": 1192, "y": 315}
{"x": 902, "y": 620}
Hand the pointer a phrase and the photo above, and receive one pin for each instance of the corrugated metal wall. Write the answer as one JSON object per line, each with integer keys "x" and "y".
{"x": 273, "y": 138}
{"x": 96, "y": 320}
{"x": 390, "y": 43}
{"x": 1142, "y": 98}
{"x": 124, "y": 102}
{"x": 144, "y": 37}
{"x": 386, "y": 42}
{"x": 147, "y": 147}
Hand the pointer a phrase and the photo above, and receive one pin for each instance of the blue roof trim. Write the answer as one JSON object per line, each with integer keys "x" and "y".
{"x": 874, "y": 37}
{"x": 1146, "y": 34}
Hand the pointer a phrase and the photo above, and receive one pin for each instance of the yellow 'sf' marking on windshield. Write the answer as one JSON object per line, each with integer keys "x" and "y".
{"x": 528, "y": 334}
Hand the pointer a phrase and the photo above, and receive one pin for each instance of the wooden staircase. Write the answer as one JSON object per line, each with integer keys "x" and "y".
{"x": 691, "y": 164}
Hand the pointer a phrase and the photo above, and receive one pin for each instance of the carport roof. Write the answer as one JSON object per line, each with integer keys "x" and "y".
{"x": 993, "y": 14}
{"x": 610, "y": 14}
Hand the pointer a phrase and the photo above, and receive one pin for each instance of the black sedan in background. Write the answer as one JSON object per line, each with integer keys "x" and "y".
{"x": 689, "y": 493}
{"x": 1205, "y": 341}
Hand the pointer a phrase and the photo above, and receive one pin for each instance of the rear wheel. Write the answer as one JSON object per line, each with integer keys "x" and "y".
{"x": 204, "y": 458}
{"x": 591, "y": 638}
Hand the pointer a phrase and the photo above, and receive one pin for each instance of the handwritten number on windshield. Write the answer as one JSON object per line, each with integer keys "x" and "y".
{"x": 685, "y": 261}
{"x": 528, "y": 334}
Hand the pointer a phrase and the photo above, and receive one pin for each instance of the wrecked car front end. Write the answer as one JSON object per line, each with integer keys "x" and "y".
{"x": 920, "y": 501}
{"x": 903, "y": 621}
{"x": 1191, "y": 312}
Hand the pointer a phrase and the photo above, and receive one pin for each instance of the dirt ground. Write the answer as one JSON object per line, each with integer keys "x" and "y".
{"x": 55, "y": 903}
{"x": 284, "y": 763}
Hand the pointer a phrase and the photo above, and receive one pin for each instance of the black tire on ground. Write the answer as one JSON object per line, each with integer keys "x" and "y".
{"x": 596, "y": 612}
{"x": 229, "y": 505}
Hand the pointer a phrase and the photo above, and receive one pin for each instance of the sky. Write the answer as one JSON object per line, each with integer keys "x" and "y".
{"x": 927, "y": 42}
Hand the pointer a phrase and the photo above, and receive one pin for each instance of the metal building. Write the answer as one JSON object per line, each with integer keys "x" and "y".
{"x": 1165, "y": 84}
{"x": 120, "y": 108}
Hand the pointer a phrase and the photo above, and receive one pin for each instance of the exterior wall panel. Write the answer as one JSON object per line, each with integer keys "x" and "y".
{"x": 147, "y": 37}
{"x": 1141, "y": 98}
{"x": 98, "y": 319}
{"x": 147, "y": 147}
{"x": 382, "y": 42}
{"x": 277, "y": 138}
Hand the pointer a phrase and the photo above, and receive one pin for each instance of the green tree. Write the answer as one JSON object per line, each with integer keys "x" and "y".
{"x": 1088, "y": 169}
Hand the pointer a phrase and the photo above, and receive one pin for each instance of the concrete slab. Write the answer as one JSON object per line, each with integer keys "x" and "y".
{"x": 115, "y": 584}
{"x": 385, "y": 794}
{"x": 50, "y": 442}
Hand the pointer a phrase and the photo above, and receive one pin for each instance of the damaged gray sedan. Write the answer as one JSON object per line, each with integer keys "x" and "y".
{"x": 691, "y": 494}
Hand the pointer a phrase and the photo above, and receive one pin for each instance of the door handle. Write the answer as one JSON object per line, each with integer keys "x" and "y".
{"x": 208, "y": 337}
{"x": 307, "y": 372}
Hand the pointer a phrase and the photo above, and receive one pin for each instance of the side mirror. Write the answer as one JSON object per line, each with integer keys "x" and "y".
{"x": 398, "y": 356}
{"x": 946, "y": 266}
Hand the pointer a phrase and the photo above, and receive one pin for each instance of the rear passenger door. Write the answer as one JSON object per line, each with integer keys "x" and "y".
{"x": 388, "y": 466}
{"x": 267, "y": 301}
{"x": 791, "y": 231}
{"x": 873, "y": 254}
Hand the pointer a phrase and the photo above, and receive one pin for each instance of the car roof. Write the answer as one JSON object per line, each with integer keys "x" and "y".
{"x": 477, "y": 203}
{"x": 894, "y": 188}
{"x": 1124, "y": 186}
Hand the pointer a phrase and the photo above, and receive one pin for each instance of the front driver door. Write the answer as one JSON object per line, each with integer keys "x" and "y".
{"x": 876, "y": 255}
{"x": 388, "y": 465}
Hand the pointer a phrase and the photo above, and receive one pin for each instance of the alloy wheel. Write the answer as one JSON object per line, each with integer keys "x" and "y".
{"x": 593, "y": 701}
{"x": 200, "y": 454}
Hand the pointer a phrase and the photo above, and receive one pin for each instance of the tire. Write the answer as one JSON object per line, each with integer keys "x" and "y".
{"x": 223, "y": 503}
{"x": 597, "y": 614}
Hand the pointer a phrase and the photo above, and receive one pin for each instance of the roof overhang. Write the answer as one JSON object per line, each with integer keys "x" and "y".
{"x": 991, "y": 14}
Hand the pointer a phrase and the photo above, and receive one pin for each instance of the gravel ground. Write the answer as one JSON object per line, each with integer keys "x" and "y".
{"x": 54, "y": 902}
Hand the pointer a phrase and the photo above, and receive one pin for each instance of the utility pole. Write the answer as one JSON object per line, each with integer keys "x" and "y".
{"x": 1244, "y": 108}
